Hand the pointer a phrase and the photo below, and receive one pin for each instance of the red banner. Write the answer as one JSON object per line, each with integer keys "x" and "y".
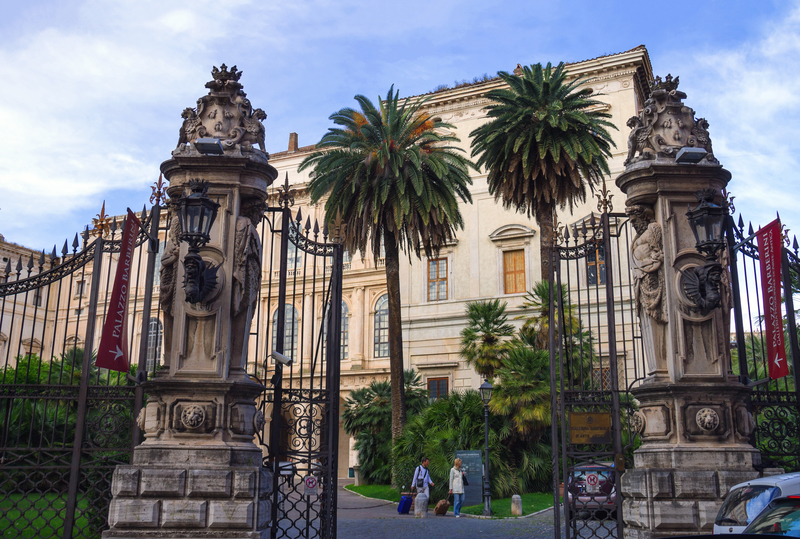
{"x": 769, "y": 254}
{"x": 113, "y": 352}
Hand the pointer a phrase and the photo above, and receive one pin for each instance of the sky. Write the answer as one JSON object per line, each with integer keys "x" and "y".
{"x": 93, "y": 90}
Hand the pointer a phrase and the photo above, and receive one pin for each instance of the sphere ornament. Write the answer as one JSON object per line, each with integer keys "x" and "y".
{"x": 193, "y": 416}
{"x": 707, "y": 419}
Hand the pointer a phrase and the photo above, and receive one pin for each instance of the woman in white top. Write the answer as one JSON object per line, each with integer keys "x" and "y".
{"x": 457, "y": 487}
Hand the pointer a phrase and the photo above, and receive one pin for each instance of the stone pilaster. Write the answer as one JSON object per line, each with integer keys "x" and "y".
{"x": 198, "y": 472}
{"x": 692, "y": 417}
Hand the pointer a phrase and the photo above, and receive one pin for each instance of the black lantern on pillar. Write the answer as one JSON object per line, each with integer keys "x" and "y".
{"x": 702, "y": 284}
{"x": 197, "y": 214}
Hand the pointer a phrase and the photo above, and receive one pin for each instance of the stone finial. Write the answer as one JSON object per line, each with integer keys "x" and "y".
{"x": 665, "y": 125}
{"x": 225, "y": 114}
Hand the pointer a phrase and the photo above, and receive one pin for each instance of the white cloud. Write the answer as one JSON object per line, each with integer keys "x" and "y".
{"x": 749, "y": 95}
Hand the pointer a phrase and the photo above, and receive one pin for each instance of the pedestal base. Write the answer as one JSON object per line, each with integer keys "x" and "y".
{"x": 199, "y": 493}
{"x": 679, "y": 490}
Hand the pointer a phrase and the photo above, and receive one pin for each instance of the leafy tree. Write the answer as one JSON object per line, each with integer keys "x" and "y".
{"x": 482, "y": 340}
{"x": 522, "y": 393}
{"x": 456, "y": 422}
{"x": 542, "y": 145}
{"x": 366, "y": 413}
{"x": 393, "y": 177}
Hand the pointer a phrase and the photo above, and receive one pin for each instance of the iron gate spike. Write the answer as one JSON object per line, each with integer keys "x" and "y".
{"x": 53, "y": 255}
{"x": 583, "y": 229}
{"x": 30, "y": 263}
{"x": 75, "y": 243}
{"x": 794, "y": 243}
{"x": 124, "y": 222}
{"x": 19, "y": 265}
{"x": 741, "y": 223}
{"x": 308, "y": 224}
{"x": 65, "y": 249}
{"x": 316, "y": 228}
{"x": 113, "y": 226}
{"x": 592, "y": 221}
{"x": 566, "y": 233}
{"x": 8, "y": 269}
{"x": 750, "y": 230}
{"x": 41, "y": 261}
{"x": 299, "y": 215}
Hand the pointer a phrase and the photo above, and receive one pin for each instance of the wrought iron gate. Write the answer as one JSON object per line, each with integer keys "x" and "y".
{"x": 64, "y": 424}
{"x": 773, "y": 403}
{"x": 596, "y": 358}
{"x": 302, "y": 398}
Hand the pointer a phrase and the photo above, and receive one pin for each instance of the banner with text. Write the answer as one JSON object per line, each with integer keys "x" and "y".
{"x": 769, "y": 254}
{"x": 113, "y": 351}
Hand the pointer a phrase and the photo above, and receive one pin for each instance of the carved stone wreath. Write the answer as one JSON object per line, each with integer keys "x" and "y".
{"x": 707, "y": 419}
{"x": 638, "y": 422}
{"x": 193, "y": 416}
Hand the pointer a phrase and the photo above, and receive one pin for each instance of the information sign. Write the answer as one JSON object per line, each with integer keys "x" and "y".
{"x": 472, "y": 465}
{"x": 590, "y": 428}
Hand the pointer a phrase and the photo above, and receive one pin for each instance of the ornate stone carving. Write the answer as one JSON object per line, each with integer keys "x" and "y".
{"x": 193, "y": 416}
{"x": 707, "y": 419}
{"x": 745, "y": 423}
{"x": 666, "y": 125}
{"x": 647, "y": 258}
{"x": 140, "y": 419}
{"x": 168, "y": 277}
{"x": 225, "y": 113}
{"x": 638, "y": 422}
{"x": 259, "y": 422}
{"x": 246, "y": 278}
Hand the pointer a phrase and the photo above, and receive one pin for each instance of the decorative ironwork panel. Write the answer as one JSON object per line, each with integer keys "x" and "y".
{"x": 65, "y": 424}
{"x": 596, "y": 358}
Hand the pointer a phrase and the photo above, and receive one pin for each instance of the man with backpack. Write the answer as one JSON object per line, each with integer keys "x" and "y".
{"x": 422, "y": 479}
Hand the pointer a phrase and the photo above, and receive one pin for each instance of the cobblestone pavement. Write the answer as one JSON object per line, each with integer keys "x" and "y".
{"x": 360, "y": 517}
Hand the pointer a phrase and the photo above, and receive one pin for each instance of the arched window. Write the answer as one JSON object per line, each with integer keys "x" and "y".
{"x": 290, "y": 331}
{"x": 155, "y": 331}
{"x": 345, "y": 329}
{"x": 294, "y": 257}
{"x": 382, "y": 327}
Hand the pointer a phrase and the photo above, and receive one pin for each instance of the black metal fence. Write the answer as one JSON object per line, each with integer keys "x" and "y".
{"x": 596, "y": 358}
{"x": 300, "y": 317}
{"x": 65, "y": 424}
{"x": 773, "y": 403}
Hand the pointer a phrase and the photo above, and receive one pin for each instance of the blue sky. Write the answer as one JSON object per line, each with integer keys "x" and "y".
{"x": 93, "y": 89}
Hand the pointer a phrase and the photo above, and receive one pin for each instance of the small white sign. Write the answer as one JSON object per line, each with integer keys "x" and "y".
{"x": 592, "y": 482}
{"x": 310, "y": 484}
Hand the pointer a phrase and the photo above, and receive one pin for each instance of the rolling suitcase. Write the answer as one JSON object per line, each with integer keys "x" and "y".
{"x": 405, "y": 505}
{"x": 442, "y": 507}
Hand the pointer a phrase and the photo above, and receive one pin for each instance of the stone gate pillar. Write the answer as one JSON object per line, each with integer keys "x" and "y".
{"x": 692, "y": 417}
{"x": 198, "y": 472}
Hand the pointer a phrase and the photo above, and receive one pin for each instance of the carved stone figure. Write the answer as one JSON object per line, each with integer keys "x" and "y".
{"x": 666, "y": 125}
{"x": 707, "y": 419}
{"x": 246, "y": 279}
{"x": 638, "y": 422}
{"x": 193, "y": 416}
{"x": 647, "y": 252}
{"x": 168, "y": 276}
{"x": 702, "y": 285}
{"x": 225, "y": 113}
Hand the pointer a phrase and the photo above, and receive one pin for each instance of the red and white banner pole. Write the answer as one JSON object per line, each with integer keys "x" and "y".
{"x": 769, "y": 254}
{"x": 113, "y": 351}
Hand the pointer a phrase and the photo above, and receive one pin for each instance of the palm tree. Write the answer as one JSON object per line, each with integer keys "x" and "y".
{"x": 543, "y": 144}
{"x": 393, "y": 177}
{"x": 482, "y": 343}
{"x": 523, "y": 392}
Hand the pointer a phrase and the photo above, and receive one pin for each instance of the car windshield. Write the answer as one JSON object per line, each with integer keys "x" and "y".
{"x": 782, "y": 517}
{"x": 743, "y": 504}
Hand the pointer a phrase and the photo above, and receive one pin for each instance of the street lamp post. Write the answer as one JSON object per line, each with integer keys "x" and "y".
{"x": 486, "y": 396}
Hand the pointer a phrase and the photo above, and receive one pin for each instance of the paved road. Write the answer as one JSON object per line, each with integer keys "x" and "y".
{"x": 359, "y": 517}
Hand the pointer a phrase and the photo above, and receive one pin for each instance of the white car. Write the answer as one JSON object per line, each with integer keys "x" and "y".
{"x": 746, "y": 500}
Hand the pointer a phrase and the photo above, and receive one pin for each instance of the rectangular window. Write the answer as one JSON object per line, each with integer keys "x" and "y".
{"x": 514, "y": 271}
{"x": 80, "y": 286}
{"x": 37, "y": 297}
{"x": 78, "y": 311}
{"x": 596, "y": 266}
{"x": 437, "y": 388}
{"x": 437, "y": 279}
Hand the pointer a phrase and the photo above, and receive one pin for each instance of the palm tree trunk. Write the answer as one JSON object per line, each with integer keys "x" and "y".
{"x": 395, "y": 335}
{"x": 544, "y": 217}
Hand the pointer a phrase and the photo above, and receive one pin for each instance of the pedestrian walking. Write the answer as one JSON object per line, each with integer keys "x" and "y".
{"x": 422, "y": 479}
{"x": 457, "y": 487}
